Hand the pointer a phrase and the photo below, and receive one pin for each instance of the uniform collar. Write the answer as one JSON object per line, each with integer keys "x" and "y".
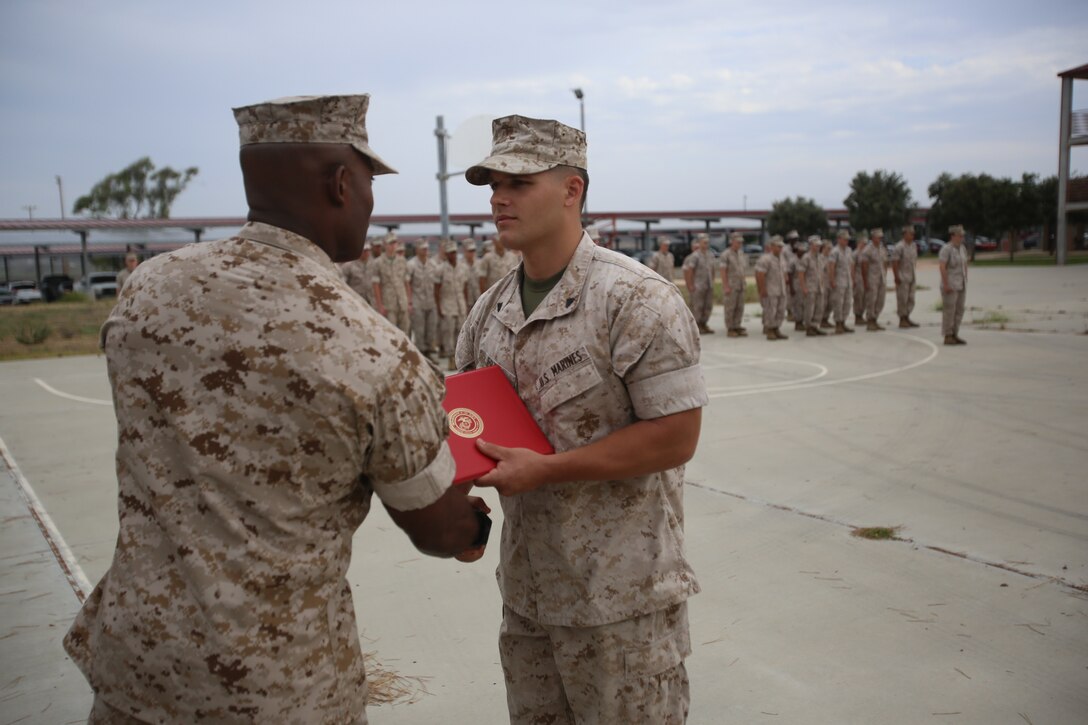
{"x": 286, "y": 240}
{"x": 562, "y": 300}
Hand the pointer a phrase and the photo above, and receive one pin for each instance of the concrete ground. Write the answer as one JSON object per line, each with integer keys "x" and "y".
{"x": 976, "y": 613}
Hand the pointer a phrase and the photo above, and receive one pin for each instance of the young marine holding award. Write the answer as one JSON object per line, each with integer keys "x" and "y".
{"x": 605, "y": 356}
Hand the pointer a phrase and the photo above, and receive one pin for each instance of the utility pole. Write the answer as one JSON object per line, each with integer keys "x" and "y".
{"x": 60, "y": 190}
{"x": 443, "y": 176}
{"x": 30, "y": 210}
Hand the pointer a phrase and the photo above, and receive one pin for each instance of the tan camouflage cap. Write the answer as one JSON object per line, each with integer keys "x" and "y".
{"x": 877, "y": 233}
{"x": 664, "y": 240}
{"x": 814, "y": 239}
{"x": 422, "y": 243}
{"x": 736, "y": 237}
{"x": 468, "y": 244}
{"x": 450, "y": 245}
{"x": 523, "y": 145}
{"x": 842, "y": 234}
{"x": 863, "y": 235}
{"x": 955, "y": 229}
{"x": 792, "y": 234}
{"x": 702, "y": 237}
{"x": 776, "y": 241}
{"x": 310, "y": 119}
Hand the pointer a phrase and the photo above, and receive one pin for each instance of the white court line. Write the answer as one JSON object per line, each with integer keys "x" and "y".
{"x": 867, "y": 376}
{"x": 78, "y": 398}
{"x": 81, "y": 585}
{"x": 821, "y": 372}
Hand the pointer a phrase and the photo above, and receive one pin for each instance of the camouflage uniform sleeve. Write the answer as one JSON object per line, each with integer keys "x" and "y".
{"x": 408, "y": 463}
{"x": 655, "y": 349}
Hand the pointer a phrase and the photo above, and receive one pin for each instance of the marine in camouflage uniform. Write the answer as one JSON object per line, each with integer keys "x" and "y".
{"x": 841, "y": 281}
{"x": 771, "y": 284}
{"x": 356, "y": 274}
{"x": 860, "y": 244}
{"x": 470, "y": 267}
{"x": 904, "y": 259}
{"x": 392, "y": 297}
{"x": 449, "y": 296}
{"x": 496, "y": 264}
{"x": 424, "y": 311}
{"x": 699, "y": 278}
{"x": 662, "y": 261}
{"x": 874, "y": 274}
{"x": 592, "y": 570}
{"x": 825, "y": 275}
{"x": 810, "y": 281}
{"x": 734, "y": 272}
{"x": 252, "y": 434}
{"x": 952, "y": 262}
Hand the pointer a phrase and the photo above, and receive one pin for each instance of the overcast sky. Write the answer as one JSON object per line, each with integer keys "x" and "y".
{"x": 690, "y": 104}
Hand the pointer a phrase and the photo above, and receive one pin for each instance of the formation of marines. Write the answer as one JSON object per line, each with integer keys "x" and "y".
{"x": 816, "y": 283}
{"x": 427, "y": 297}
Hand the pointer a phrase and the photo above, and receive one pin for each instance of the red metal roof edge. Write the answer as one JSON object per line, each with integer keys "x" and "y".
{"x": 1080, "y": 73}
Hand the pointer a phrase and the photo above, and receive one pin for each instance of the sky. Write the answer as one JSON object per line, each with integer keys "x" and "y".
{"x": 689, "y": 105}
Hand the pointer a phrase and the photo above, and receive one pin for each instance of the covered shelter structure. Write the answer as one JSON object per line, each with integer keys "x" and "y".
{"x": 1073, "y": 132}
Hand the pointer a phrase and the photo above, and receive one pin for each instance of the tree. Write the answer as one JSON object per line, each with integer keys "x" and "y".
{"x": 879, "y": 200}
{"x": 804, "y": 215}
{"x": 137, "y": 190}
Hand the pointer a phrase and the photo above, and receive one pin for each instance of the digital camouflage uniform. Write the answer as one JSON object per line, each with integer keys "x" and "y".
{"x": 905, "y": 257}
{"x": 471, "y": 273}
{"x": 859, "y": 283}
{"x": 842, "y": 259}
{"x": 702, "y": 292}
{"x": 424, "y": 311}
{"x": 391, "y": 277}
{"x": 664, "y": 264}
{"x": 495, "y": 266}
{"x": 356, "y": 274}
{"x": 260, "y": 403}
{"x": 774, "y": 299}
{"x": 877, "y": 278}
{"x": 593, "y": 574}
{"x": 811, "y": 267}
{"x": 952, "y": 302}
{"x": 825, "y": 288}
{"x": 451, "y": 302}
{"x": 735, "y": 268}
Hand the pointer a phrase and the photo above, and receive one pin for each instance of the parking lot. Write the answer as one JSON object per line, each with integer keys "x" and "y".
{"x": 976, "y": 613}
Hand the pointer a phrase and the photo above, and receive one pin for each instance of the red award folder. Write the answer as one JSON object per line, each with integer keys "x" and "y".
{"x": 483, "y": 403}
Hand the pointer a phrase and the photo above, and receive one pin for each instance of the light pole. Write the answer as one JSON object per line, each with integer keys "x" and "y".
{"x": 582, "y": 113}
{"x": 60, "y": 190}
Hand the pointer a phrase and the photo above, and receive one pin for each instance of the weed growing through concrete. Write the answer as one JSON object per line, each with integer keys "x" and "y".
{"x": 878, "y": 533}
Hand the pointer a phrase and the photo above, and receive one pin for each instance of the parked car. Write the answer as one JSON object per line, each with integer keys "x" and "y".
{"x": 55, "y": 286}
{"x": 24, "y": 292}
{"x": 935, "y": 244}
{"x": 985, "y": 244}
{"x": 753, "y": 248}
{"x": 98, "y": 285}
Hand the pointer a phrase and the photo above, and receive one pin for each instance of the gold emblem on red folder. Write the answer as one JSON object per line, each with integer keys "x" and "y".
{"x": 465, "y": 423}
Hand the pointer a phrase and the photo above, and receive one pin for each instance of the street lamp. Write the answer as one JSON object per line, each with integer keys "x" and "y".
{"x": 582, "y": 112}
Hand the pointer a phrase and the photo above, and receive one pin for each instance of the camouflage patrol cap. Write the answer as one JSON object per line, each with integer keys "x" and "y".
{"x": 776, "y": 241}
{"x": 702, "y": 237}
{"x": 842, "y": 234}
{"x": 664, "y": 240}
{"x": 469, "y": 244}
{"x": 523, "y": 145}
{"x": 877, "y": 233}
{"x": 863, "y": 235}
{"x": 792, "y": 234}
{"x": 955, "y": 229}
{"x": 450, "y": 245}
{"x": 310, "y": 119}
{"x": 736, "y": 237}
{"x": 422, "y": 243}
{"x": 814, "y": 239}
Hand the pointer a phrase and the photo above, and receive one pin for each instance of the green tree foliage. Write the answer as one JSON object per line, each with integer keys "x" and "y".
{"x": 881, "y": 199}
{"x": 804, "y": 215}
{"x": 138, "y": 190}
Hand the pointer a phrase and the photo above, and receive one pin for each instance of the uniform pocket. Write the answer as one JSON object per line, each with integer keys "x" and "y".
{"x": 658, "y": 656}
{"x": 568, "y": 385}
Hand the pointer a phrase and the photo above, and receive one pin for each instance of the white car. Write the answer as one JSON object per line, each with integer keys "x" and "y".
{"x": 24, "y": 292}
{"x": 98, "y": 285}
